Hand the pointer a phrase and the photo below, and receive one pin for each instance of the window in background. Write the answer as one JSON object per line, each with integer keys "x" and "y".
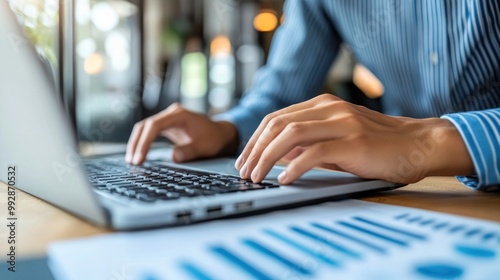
{"x": 108, "y": 69}
{"x": 40, "y": 20}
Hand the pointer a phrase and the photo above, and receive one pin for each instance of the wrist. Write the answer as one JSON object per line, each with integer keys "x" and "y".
{"x": 230, "y": 137}
{"x": 450, "y": 156}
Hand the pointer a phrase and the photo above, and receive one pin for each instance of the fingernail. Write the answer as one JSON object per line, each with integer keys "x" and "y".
{"x": 128, "y": 158}
{"x": 282, "y": 177}
{"x": 137, "y": 158}
{"x": 243, "y": 171}
{"x": 255, "y": 175}
{"x": 238, "y": 162}
{"x": 179, "y": 156}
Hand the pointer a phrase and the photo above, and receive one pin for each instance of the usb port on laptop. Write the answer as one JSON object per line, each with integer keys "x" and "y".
{"x": 214, "y": 211}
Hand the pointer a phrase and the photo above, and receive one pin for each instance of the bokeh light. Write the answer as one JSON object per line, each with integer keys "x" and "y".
{"x": 104, "y": 17}
{"x": 86, "y": 47}
{"x": 93, "y": 64}
{"x": 265, "y": 21}
{"x": 220, "y": 44}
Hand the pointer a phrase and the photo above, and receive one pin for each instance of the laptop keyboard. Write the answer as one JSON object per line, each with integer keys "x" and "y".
{"x": 154, "y": 181}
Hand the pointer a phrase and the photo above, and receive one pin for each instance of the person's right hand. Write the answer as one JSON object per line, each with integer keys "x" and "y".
{"x": 195, "y": 135}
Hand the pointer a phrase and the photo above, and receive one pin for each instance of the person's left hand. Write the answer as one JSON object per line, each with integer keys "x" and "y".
{"x": 329, "y": 132}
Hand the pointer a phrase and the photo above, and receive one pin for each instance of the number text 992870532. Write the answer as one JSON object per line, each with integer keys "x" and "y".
{"x": 11, "y": 222}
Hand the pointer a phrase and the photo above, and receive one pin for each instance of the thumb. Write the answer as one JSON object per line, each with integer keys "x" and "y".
{"x": 186, "y": 152}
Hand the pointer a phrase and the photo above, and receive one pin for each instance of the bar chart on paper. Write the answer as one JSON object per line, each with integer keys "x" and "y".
{"x": 346, "y": 240}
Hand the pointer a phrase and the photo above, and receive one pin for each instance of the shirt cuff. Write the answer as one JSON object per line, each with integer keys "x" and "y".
{"x": 472, "y": 182}
{"x": 479, "y": 130}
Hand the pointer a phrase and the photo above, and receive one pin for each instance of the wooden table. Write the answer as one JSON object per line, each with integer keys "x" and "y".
{"x": 40, "y": 223}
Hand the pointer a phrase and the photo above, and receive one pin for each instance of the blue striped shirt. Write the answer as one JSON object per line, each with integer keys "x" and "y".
{"x": 435, "y": 58}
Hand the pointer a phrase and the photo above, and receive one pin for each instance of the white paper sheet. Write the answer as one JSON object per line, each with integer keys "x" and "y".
{"x": 348, "y": 239}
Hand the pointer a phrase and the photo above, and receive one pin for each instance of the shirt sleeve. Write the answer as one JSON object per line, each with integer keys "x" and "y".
{"x": 480, "y": 131}
{"x": 302, "y": 51}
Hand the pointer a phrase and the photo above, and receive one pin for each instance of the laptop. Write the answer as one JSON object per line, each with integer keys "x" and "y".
{"x": 37, "y": 140}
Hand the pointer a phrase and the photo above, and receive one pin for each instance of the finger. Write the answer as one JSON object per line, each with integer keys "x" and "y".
{"x": 132, "y": 141}
{"x": 274, "y": 128}
{"x": 177, "y": 135}
{"x": 333, "y": 152}
{"x": 344, "y": 120}
{"x": 152, "y": 127}
{"x": 186, "y": 152}
{"x": 137, "y": 132}
{"x": 293, "y": 154}
{"x": 295, "y": 134}
{"x": 265, "y": 122}
{"x": 265, "y": 138}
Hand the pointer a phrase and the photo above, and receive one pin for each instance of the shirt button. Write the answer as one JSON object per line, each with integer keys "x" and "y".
{"x": 434, "y": 58}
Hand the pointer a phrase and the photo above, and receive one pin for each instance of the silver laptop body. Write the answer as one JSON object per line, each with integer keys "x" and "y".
{"x": 35, "y": 138}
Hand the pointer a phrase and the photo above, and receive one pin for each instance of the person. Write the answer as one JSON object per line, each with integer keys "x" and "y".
{"x": 439, "y": 62}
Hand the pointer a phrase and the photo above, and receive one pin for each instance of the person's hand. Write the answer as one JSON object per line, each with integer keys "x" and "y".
{"x": 329, "y": 132}
{"x": 195, "y": 135}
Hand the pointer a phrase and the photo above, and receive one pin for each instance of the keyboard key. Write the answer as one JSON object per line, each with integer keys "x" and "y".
{"x": 100, "y": 186}
{"x": 144, "y": 197}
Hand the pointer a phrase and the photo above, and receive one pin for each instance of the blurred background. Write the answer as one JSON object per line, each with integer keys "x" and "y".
{"x": 116, "y": 62}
